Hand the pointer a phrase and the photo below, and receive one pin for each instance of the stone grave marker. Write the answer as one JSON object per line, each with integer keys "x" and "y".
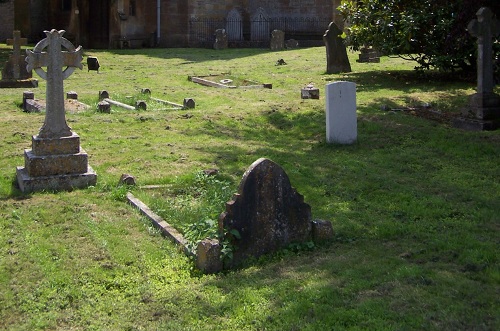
{"x": 56, "y": 161}
{"x": 268, "y": 213}
{"x": 14, "y": 73}
{"x": 341, "y": 122}
{"x": 220, "y": 39}
{"x": 260, "y": 25}
{"x": 336, "y": 54}
{"x": 93, "y": 63}
{"x": 368, "y": 55}
{"x": 234, "y": 25}
{"x": 277, "y": 40}
{"x": 483, "y": 110}
{"x": 309, "y": 92}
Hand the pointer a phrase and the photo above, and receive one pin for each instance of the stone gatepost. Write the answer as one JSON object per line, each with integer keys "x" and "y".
{"x": 56, "y": 161}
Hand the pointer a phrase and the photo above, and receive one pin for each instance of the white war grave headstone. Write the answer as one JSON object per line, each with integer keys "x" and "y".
{"x": 56, "y": 161}
{"x": 341, "y": 121}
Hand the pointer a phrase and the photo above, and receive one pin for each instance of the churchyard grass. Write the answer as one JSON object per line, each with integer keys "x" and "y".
{"x": 415, "y": 204}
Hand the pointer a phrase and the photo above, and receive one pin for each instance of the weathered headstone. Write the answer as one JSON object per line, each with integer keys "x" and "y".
{"x": 336, "y": 54}
{"x": 483, "y": 111}
{"x": 260, "y": 25}
{"x": 220, "y": 39}
{"x": 14, "y": 73}
{"x": 368, "y": 55}
{"x": 277, "y": 40}
{"x": 267, "y": 212}
{"x": 341, "y": 122}
{"x": 234, "y": 25}
{"x": 56, "y": 161}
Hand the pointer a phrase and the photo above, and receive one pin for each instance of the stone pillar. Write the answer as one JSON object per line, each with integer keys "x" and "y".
{"x": 483, "y": 110}
{"x": 341, "y": 121}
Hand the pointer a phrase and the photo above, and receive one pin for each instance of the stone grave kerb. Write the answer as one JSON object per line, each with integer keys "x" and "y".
{"x": 54, "y": 59}
{"x": 16, "y": 43}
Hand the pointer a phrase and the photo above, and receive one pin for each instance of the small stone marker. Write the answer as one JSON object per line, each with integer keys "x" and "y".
{"x": 93, "y": 63}
{"x": 14, "y": 73}
{"x": 104, "y": 107}
{"x": 27, "y": 95}
{"x": 341, "y": 122}
{"x": 277, "y": 40}
{"x": 309, "y": 92}
{"x": 141, "y": 104}
{"x": 72, "y": 95}
{"x": 103, "y": 95}
{"x": 336, "y": 54}
{"x": 220, "y": 39}
{"x": 56, "y": 161}
{"x": 268, "y": 213}
{"x": 368, "y": 55}
{"x": 189, "y": 103}
{"x": 126, "y": 179}
{"x": 483, "y": 110}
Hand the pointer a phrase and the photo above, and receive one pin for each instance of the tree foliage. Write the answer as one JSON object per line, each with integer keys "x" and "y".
{"x": 431, "y": 32}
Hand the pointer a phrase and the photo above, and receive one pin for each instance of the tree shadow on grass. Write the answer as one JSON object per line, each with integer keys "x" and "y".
{"x": 408, "y": 80}
{"x": 193, "y": 55}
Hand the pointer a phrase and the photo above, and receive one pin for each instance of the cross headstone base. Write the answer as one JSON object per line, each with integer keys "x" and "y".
{"x": 55, "y": 164}
{"x": 484, "y": 106}
{"x": 481, "y": 114}
{"x": 22, "y": 83}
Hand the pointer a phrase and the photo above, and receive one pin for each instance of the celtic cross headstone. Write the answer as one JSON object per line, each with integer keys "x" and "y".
{"x": 56, "y": 160}
{"x": 54, "y": 59}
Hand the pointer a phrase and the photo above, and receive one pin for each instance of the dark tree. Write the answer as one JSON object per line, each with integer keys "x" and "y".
{"x": 431, "y": 32}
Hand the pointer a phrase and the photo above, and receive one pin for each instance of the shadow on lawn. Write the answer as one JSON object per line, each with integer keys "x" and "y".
{"x": 409, "y": 80}
{"x": 192, "y": 55}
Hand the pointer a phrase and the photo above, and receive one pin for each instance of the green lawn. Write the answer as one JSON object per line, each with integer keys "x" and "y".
{"x": 415, "y": 204}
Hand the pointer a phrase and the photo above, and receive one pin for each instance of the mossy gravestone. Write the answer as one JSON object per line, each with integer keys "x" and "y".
{"x": 267, "y": 214}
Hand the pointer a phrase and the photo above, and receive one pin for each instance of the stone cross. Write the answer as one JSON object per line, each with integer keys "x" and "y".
{"x": 54, "y": 59}
{"x": 484, "y": 28}
{"x": 16, "y": 42}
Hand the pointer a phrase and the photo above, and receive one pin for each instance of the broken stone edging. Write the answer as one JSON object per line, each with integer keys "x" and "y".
{"x": 166, "y": 229}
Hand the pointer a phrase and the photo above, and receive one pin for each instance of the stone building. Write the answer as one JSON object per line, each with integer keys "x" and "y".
{"x": 168, "y": 23}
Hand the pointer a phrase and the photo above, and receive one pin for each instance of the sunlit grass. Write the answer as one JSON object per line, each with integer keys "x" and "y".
{"x": 414, "y": 203}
